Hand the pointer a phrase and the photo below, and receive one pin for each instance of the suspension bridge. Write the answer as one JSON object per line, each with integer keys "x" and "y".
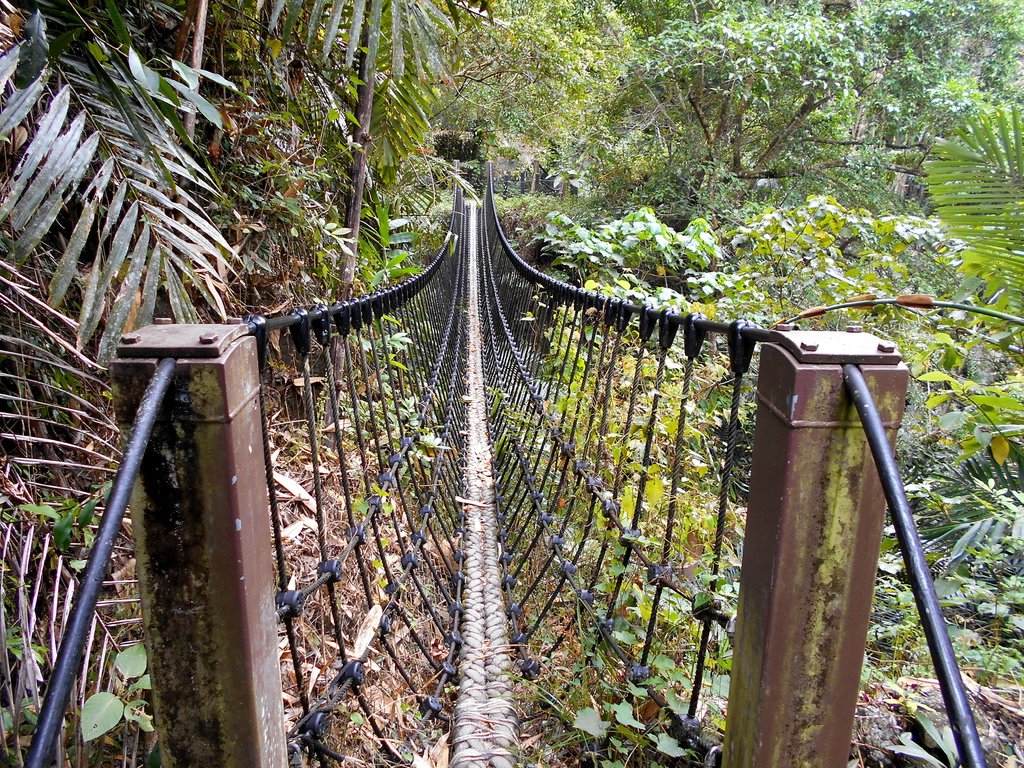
{"x": 502, "y": 501}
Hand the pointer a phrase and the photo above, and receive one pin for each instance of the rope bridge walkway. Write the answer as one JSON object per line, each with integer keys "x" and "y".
{"x": 504, "y": 487}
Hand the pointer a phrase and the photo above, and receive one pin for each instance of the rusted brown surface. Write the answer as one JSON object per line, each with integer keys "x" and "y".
{"x": 814, "y": 526}
{"x": 202, "y": 540}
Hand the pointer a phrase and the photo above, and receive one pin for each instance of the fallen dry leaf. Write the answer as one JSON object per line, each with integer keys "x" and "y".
{"x": 367, "y": 630}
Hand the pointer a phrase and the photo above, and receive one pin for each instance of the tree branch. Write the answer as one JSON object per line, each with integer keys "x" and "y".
{"x": 923, "y": 146}
{"x": 814, "y": 167}
{"x": 810, "y": 104}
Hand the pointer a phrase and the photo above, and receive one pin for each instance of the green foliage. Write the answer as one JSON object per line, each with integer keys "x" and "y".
{"x": 639, "y": 242}
{"x": 538, "y": 75}
{"x": 71, "y": 521}
{"x": 703, "y": 110}
{"x": 944, "y": 740}
{"x": 104, "y": 711}
{"x": 977, "y": 183}
{"x": 113, "y": 127}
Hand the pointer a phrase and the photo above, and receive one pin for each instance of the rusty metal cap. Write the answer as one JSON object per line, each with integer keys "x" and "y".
{"x": 184, "y": 340}
{"x": 837, "y": 347}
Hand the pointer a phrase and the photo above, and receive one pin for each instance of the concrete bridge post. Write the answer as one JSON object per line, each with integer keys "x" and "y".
{"x": 814, "y": 528}
{"x": 202, "y": 540}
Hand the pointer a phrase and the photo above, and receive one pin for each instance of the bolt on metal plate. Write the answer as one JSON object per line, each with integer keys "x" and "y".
{"x": 180, "y": 340}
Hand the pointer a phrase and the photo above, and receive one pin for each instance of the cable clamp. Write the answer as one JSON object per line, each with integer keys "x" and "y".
{"x": 357, "y": 533}
{"x": 638, "y": 673}
{"x": 693, "y": 335}
{"x": 321, "y": 324}
{"x": 315, "y": 725}
{"x": 300, "y": 333}
{"x": 289, "y": 603}
{"x": 530, "y": 668}
{"x": 331, "y": 569}
{"x": 258, "y": 328}
{"x": 354, "y": 671}
{"x": 668, "y": 324}
{"x": 657, "y": 574}
{"x": 410, "y": 560}
{"x": 630, "y": 535}
{"x": 741, "y": 349}
{"x": 431, "y": 706}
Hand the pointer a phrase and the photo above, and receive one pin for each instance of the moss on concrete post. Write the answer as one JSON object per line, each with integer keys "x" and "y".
{"x": 814, "y": 527}
{"x": 203, "y": 549}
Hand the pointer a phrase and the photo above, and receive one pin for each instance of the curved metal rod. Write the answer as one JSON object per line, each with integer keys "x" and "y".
{"x": 69, "y": 655}
{"x": 961, "y": 719}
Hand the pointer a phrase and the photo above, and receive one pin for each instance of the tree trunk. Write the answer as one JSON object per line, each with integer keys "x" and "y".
{"x": 354, "y": 203}
{"x": 198, "y": 44}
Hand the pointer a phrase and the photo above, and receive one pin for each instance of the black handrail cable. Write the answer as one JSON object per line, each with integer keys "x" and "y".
{"x": 69, "y": 655}
{"x": 961, "y": 719}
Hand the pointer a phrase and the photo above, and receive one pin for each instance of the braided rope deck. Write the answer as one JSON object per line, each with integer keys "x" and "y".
{"x": 486, "y": 722}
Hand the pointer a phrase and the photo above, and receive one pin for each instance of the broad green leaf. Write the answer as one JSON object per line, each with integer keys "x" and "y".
{"x": 102, "y": 712}
{"x": 143, "y": 74}
{"x": 67, "y": 268}
{"x": 624, "y": 714}
{"x": 936, "y": 376}
{"x": 46, "y": 134}
{"x": 952, "y": 420}
{"x": 59, "y": 155}
{"x": 355, "y": 32}
{"x": 589, "y": 721}
{"x": 19, "y": 105}
{"x": 144, "y": 683}
{"x": 667, "y": 745}
{"x": 125, "y": 297}
{"x": 655, "y": 490}
{"x": 34, "y": 51}
{"x": 910, "y": 749}
{"x": 43, "y": 218}
{"x": 149, "y": 288}
{"x": 187, "y": 74}
{"x": 201, "y": 103}
{"x": 131, "y": 662}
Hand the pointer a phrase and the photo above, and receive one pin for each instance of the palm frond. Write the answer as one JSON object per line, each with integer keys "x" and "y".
{"x": 150, "y": 233}
{"x": 399, "y": 122}
{"x": 977, "y": 185}
{"x": 979, "y": 494}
